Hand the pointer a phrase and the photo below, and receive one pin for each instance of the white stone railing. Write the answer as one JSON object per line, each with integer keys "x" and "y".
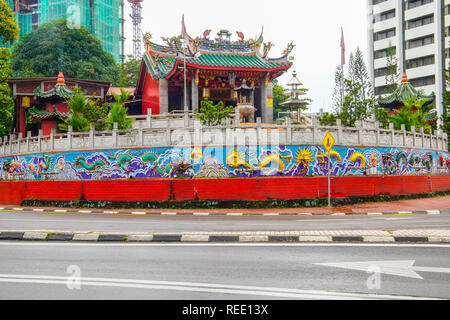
{"x": 185, "y": 130}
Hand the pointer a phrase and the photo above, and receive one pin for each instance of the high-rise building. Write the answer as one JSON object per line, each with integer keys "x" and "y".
{"x": 103, "y": 18}
{"x": 417, "y": 33}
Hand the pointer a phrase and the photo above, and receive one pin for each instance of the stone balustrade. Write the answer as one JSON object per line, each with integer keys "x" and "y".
{"x": 185, "y": 130}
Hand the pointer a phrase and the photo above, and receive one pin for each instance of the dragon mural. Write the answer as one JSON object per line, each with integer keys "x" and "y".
{"x": 238, "y": 162}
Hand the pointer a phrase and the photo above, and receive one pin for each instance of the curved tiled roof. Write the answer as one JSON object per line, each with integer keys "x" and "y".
{"x": 403, "y": 93}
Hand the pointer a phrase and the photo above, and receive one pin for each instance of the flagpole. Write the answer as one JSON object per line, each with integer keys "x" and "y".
{"x": 183, "y": 31}
{"x": 185, "y": 85}
{"x": 342, "y": 68}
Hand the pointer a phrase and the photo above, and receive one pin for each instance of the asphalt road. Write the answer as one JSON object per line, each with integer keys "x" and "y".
{"x": 14, "y": 220}
{"x": 227, "y": 271}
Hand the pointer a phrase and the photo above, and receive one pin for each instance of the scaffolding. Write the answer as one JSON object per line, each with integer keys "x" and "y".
{"x": 102, "y": 18}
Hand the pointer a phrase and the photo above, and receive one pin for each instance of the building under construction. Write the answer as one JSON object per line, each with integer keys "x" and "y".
{"x": 103, "y": 18}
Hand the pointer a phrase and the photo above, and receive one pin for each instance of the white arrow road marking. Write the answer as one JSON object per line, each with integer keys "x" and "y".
{"x": 401, "y": 268}
{"x": 199, "y": 287}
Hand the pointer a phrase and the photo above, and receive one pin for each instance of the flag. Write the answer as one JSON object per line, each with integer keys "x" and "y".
{"x": 342, "y": 49}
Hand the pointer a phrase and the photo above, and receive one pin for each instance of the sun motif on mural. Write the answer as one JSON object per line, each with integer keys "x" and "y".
{"x": 303, "y": 156}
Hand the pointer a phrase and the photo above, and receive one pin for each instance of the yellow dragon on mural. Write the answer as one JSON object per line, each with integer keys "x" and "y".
{"x": 236, "y": 159}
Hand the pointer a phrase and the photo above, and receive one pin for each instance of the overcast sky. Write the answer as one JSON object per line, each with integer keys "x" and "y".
{"x": 313, "y": 26}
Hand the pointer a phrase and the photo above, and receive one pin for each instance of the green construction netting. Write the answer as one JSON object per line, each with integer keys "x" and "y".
{"x": 102, "y": 20}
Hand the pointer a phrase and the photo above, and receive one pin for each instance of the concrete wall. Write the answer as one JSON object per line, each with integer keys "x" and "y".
{"x": 224, "y": 189}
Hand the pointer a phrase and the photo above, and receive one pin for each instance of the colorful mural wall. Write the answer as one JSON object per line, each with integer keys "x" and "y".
{"x": 222, "y": 162}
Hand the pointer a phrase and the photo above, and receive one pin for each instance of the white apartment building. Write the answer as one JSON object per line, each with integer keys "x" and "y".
{"x": 419, "y": 32}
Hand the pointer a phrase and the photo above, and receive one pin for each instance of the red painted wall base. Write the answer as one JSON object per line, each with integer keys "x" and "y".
{"x": 219, "y": 189}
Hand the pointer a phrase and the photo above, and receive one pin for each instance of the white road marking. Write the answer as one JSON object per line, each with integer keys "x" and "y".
{"x": 218, "y": 244}
{"x": 199, "y": 287}
{"x": 374, "y": 213}
{"x": 168, "y": 213}
{"x": 433, "y": 211}
{"x": 234, "y": 214}
{"x": 401, "y": 268}
{"x": 138, "y": 212}
{"x": 59, "y": 210}
{"x": 39, "y": 210}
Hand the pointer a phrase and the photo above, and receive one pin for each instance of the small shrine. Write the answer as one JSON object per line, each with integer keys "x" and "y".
{"x": 295, "y": 103}
{"x": 41, "y": 103}
{"x": 404, "y": 92}
{"x": 203, "y": 67}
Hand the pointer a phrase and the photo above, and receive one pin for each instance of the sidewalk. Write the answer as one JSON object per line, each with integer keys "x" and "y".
{"x": 416, "y": 206}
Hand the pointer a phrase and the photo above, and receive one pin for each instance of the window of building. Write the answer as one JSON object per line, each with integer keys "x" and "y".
{"x": 447, "y": 9}
{"x": 382, "y": 72}
{"x": 420, "y": 62}
{"x": 420, "y": 22}
{"x": 417, "y": 3}
{"x": 383, "y": 53}
{"x": 381, "y": 90}
{"x": 384, "y": 16}
{"x": 419, "y": 42}
{"x": 421, "y": 82}
{"x": 384, "y": 34}
{"x": 378, "y": 1}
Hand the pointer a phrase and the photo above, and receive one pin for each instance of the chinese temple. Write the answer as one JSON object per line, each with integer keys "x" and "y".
{"x": 41, "y": 103}
{"x": 404, "y": 92}
{"x": 177, "y": 75}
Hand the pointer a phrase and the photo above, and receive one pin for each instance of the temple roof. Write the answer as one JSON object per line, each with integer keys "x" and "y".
{"x": 35, "y": 113}
{"x": 204, "y": 53}
{"x": 59, "y": 92}
{"x": 403, "y": 93}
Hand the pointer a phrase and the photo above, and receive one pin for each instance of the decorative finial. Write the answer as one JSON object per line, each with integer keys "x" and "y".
{"x": 405, "y": 78}
{"x": 61, "y": 79}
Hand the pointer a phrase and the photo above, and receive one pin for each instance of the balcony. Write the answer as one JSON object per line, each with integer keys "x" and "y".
{"x": 385, "y": 43}
{"x": 420, "y": 72}
{"x": 419, "y": 32}
{"x": 420, "y": 51}
{"x": 384, "y": 6}
{"x": 420, "y": 11}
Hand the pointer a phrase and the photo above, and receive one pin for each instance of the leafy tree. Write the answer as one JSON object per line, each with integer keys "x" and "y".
{"x": 55, "y": 47}
{"x": 85, "y": 111}
{"x": 339, "y": 89}
{"x": 6, "y": 101}
{"x": 351, "y": 67}
{"x": 445, "y": 118}
{"x": 328, "y": 119}
{"x": 279, "y": 97}
{"x": 9, "y": 33}
{"x": 361, "y": 76}
{"x": 9, "y": 30}
{"x": 129, "y": 73}
{"x": 354, "y": 108}
{"x": 411, "y": 114}
{"x": 213, "y": 114}
{"x": 118, "y": 112}
{"x": 392, "y": 74}
{"x": 382, "y": 116}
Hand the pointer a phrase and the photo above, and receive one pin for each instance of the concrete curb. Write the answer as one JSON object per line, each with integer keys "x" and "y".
{"x": 229, "y": 214}
{"x": 232, "y": 237}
